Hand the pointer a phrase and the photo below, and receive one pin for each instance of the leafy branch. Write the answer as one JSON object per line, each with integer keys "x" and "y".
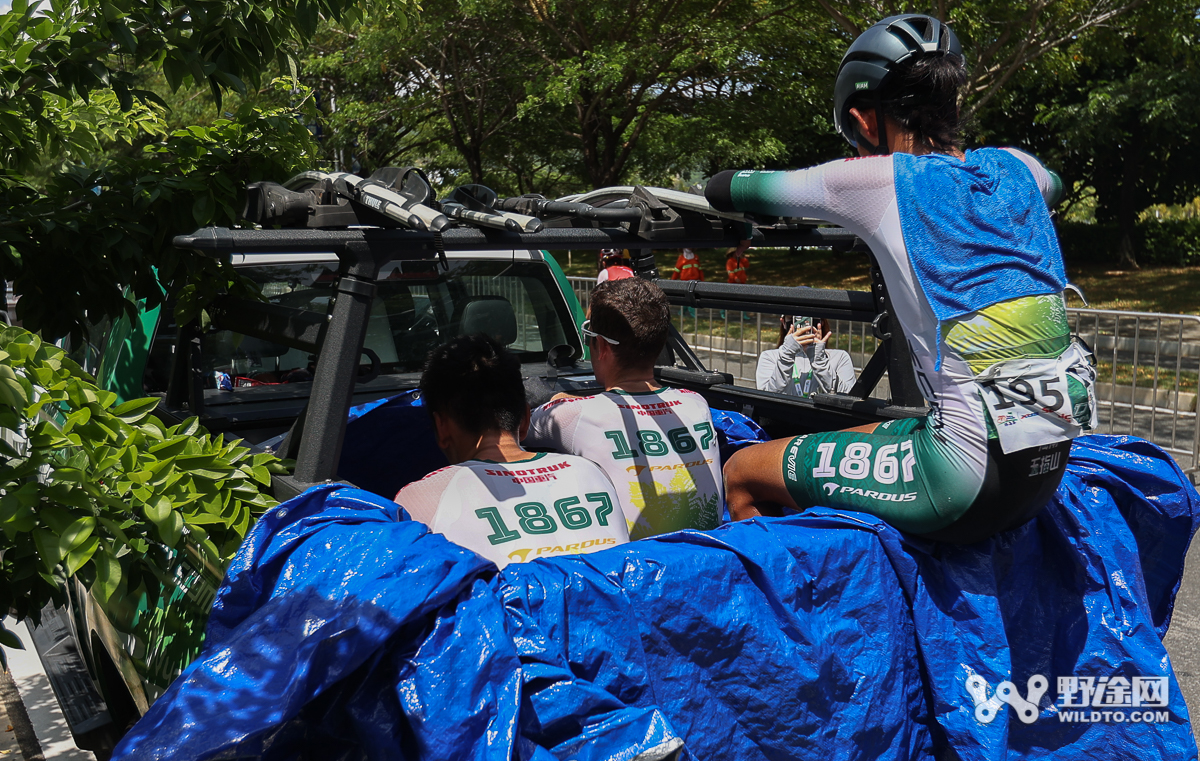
{"x": 106, "y": 493}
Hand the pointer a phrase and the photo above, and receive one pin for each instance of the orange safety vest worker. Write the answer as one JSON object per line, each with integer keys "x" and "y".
{"x": 735, "y": 268}
{"x": 687, "y": 267}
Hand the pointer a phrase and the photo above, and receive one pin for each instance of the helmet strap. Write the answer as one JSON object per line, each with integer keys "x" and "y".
{"x": 880, "y": 149}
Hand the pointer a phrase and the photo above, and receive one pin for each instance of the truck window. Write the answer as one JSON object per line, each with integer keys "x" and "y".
{"x": 417, "y": 306}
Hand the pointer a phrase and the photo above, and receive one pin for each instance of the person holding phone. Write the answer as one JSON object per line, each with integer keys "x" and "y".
{"x": 801, "y": 364}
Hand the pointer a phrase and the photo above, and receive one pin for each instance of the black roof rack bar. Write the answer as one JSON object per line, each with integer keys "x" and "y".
{"x": 222, "y": 241}
{"x": 777, "y": 299}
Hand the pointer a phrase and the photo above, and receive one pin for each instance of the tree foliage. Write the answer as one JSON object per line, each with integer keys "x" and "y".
{"x": 74, "y": 245}
{"x": 80, "y": 223}
{"x": 1115, "y": 113}
{"x": 528, "y": 95}
{"x": 106, "y": 492}
{"x": 524, "y": 95}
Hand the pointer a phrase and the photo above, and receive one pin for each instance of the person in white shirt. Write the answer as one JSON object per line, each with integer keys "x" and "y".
{"x": 801, "y": 365}
{"x": 657, "y": 444}
{"x": 497, "y": 499}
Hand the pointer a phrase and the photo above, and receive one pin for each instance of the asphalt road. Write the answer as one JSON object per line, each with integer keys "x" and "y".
{"x": 1183, "y": 637}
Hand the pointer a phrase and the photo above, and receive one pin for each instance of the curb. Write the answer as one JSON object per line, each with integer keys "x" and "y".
{"x": 19, "y": 718}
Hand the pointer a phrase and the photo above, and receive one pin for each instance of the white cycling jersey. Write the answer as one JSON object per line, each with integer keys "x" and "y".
{"x": 1023, "y": 342}
{"x": 659, "y": 448}
{"x": 552, "y": 504}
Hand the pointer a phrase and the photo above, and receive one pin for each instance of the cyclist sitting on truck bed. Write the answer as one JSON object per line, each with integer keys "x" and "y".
{"x": 497, "y": 499}
{"x": 657, "y": 444}
{"x": 975, "y": 275}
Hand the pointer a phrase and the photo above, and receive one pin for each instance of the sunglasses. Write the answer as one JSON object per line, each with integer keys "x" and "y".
{"x": 589, "y": 334}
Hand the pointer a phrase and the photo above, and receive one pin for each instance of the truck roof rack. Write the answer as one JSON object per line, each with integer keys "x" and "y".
{"x": 663, "y": 219}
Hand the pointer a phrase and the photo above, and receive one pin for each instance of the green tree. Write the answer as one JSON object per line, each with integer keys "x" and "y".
{"x": 107, "y": 493}
{"x": 533, "y": 95}
{"x": 537, "y": 96}
{"x": 79, "y": 224}
{"x": 1115, "y": 114}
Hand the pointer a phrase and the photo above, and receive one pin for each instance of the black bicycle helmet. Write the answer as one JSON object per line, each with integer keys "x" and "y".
{"x": 875, "y": 55}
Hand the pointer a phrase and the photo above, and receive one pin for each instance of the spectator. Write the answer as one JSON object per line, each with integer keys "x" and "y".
{"x": 614, "y": 265}
{"x": 801, "y": 365}
{"x": 687, "y": 266}
{"x": 736, "y": 264}
{"x": 495, "y": 498}
{"x": 657, "y": 444}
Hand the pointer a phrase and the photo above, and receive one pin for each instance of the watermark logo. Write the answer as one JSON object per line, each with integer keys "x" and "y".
{"x": 1114, "y": 694}
{"x": 1075, "y": 693}
{"x": 988, "y": 708}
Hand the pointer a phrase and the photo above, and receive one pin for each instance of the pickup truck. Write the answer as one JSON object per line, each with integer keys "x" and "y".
{"x": 347, "y": 317}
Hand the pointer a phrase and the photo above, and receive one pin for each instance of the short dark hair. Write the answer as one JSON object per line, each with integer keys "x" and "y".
{"x": 636, "y": 313}
{"x": 476, "y": 382}
{"x": 923, "y": 96}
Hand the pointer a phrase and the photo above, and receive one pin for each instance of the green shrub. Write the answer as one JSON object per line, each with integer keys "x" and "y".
{"x": 1168, "y": 243}
{"x": 107, "y": 494}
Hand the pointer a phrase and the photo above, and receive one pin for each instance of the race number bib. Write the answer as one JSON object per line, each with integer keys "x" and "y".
{"x": 1030, "y": 401}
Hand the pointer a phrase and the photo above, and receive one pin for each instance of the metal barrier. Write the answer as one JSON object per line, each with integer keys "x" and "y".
{"x": 1148, "y": 364}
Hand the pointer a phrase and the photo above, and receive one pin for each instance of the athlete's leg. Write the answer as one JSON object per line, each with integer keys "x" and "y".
{"x": 754, "y": 481}
{"x": 905, "y": 472}
{"x": 866, "y": 428}
{"x": 756, "y": 477}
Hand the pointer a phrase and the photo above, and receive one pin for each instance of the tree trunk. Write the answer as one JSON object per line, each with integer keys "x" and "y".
{"x": 1127, "y": 210}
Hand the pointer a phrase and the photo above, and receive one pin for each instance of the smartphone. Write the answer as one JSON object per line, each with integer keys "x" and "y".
{"x": 803, "y": 322}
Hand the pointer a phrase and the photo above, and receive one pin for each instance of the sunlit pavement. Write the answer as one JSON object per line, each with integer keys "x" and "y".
{"x": 1183, "y": 638}
{"x": 51, "y": 738}
{"x": 9, "y": 746}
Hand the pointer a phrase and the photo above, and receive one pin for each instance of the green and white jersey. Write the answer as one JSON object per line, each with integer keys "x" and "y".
{"x": 1006, "y": 370}
{"x": 659, "y": 448}
{"x": 549, "y": 505}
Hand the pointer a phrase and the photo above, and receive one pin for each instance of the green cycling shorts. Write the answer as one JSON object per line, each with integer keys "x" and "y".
{"x": 918, "y": 481}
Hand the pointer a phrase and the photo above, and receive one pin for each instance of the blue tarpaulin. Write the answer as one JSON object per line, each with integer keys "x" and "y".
{"x": 377, "y": 457}
{"x": 345, "y": 631}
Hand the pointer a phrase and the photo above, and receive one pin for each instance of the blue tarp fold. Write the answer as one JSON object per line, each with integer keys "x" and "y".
{"x": 345, "y": 631}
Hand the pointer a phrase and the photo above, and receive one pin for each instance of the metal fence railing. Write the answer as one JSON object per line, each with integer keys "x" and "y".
{"x": 1148, "y": 364}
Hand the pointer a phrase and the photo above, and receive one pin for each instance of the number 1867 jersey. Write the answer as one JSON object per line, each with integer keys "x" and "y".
{"x": 659, "y": 448}
{"x": 516, "y": 511}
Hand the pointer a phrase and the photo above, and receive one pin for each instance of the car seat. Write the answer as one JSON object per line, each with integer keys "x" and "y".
{"x": 491, "y": 315}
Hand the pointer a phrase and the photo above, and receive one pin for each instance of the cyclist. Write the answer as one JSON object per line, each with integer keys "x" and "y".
{"x": 497, "y": 499}
{"x": 614, "y": 265}
{"x": 656, "y": 443}
{"x": 975, "y": 274}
